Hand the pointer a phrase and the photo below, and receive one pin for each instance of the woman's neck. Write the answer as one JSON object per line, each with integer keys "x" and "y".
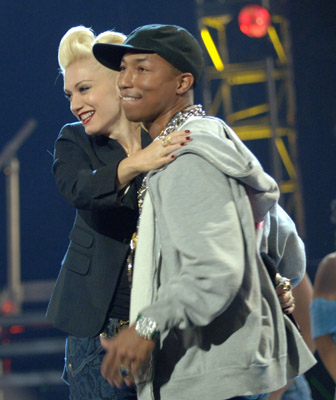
{"x": 128, "y": 135}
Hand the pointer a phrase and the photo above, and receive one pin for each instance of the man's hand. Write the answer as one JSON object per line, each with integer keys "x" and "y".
{"x": 128, "y": 350}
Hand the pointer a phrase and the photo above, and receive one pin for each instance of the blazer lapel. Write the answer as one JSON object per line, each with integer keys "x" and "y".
{"x": 107, "y": 150}
{"x": 145, "y": 138}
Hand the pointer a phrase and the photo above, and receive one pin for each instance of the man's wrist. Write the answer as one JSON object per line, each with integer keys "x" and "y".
{"x": 146, "y": 327}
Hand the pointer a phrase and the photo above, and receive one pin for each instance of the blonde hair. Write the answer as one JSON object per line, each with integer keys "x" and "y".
{"x": 77, "y": 45}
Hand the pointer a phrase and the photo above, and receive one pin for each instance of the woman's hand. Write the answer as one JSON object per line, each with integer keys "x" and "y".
{"x": 158, "y": 153}
{"x": 286, "y": 299}
{"x": 154, "y": 156}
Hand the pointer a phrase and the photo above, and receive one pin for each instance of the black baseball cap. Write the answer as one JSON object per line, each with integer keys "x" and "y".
{"x": 173, "y": 43}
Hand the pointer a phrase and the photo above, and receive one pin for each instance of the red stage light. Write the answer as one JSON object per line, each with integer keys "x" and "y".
{"x": 15, "y": 329}
{"x": 8, "y": 307}
{"x": 254, "y": 21}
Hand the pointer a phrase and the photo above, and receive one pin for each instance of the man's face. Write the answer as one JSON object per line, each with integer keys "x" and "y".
{"x": 148, "y": 86}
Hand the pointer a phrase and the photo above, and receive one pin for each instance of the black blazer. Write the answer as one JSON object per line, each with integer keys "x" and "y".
{"x": 85, "y": 170}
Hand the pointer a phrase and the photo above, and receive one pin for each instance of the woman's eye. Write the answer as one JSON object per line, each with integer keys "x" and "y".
{"x": 84, "y": 89}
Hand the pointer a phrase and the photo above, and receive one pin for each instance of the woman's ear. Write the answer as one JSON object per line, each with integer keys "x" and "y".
{"x": 186, "y": 81}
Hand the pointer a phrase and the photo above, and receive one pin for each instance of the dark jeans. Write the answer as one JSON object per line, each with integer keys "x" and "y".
{"x": 83, "y": 358}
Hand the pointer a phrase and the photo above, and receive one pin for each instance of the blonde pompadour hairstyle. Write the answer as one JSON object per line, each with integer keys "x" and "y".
{"x": 77, "y": 45}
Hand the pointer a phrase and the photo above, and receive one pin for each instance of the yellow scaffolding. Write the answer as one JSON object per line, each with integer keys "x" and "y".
{"x": 271, "y": 120}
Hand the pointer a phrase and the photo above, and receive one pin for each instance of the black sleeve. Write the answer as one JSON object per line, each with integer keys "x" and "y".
{"x": 82, "y": 184}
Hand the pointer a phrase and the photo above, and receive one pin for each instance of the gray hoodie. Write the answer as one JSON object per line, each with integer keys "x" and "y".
{"x": 199, "y": 275}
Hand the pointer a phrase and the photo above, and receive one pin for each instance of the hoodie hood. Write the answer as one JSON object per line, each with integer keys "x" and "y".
{"x": 219, "y": 144}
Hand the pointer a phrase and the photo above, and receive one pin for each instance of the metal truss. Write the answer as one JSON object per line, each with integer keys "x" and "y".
{"x": 249, "y": 83}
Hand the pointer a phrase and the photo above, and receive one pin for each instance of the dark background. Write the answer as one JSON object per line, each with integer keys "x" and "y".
{"x": 314, "y": 44}
{"x": 32, "y": 88}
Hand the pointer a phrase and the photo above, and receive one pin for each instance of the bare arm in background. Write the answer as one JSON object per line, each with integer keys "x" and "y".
{"x": 325, "y": 287}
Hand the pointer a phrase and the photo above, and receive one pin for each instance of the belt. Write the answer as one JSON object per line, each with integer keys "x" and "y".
{"x": 113, "y": 327}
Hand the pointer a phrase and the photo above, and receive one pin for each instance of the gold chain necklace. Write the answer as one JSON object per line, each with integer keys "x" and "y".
{"x": 173, "y": 125}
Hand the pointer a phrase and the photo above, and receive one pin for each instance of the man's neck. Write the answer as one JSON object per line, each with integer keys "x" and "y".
{"x": 156, "y": 127}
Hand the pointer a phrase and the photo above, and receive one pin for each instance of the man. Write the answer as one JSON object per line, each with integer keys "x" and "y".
{"x": 208, "y": 321}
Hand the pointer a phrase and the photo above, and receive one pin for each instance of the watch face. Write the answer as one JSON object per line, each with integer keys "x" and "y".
{"x": 146, "y": 327}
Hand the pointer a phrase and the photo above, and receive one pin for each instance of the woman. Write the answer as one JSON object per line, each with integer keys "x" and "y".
{"x": 323, "y": 313}
{"x": 98, "y": 163}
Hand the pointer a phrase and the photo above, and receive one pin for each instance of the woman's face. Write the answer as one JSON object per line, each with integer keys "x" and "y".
{"x": 93, "y": 95}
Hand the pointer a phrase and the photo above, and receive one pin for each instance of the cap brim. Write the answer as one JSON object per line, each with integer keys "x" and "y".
{"x": 110, "y": 55}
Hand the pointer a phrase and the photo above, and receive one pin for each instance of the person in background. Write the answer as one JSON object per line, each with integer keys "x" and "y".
{"x": 206, "y": 322}
{"x": 323, "y": 313}
{"x": 98, "y": 163}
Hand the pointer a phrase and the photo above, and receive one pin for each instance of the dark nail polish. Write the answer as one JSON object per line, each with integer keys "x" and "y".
{"x": 188, "y": 137}
{"x": 187, "y": 131}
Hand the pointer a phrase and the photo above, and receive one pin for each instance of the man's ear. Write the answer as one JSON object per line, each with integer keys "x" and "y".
{"x": 186, "y": 81}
